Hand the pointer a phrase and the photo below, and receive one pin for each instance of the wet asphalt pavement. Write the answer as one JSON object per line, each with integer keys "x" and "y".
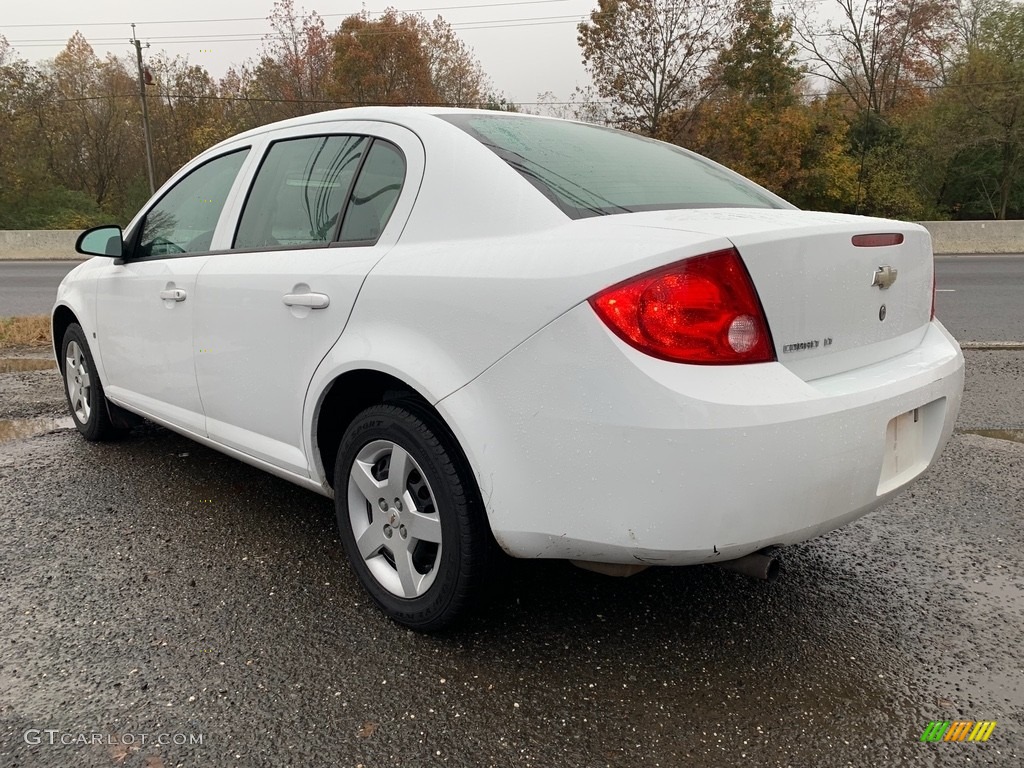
{"x": 30, "y": 287}
{"x": 979, "y": 296}
{"x": 152, "y": 587}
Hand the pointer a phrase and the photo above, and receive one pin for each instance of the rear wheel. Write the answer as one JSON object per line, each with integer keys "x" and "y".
{"x": 82, "y": 387}
{"x": 409, "y": 516}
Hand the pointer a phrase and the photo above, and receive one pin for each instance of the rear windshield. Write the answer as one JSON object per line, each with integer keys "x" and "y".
{"x": 590, "y": 171}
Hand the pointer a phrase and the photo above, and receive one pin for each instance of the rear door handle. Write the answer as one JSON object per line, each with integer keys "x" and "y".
{"x": 173, "y": 294}
{"x": 311, "y": 300}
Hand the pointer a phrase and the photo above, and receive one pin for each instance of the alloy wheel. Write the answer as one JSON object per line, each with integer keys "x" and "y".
{"x": 394, "y": 518}
{"x": 78, "y": 382}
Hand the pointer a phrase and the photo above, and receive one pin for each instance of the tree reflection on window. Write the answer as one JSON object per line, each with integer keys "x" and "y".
{"x": 299, "y": 192}
{"x": 185, "y": 218}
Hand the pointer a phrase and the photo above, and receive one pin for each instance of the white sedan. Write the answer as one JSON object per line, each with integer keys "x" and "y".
{"x": 479, "y": 330}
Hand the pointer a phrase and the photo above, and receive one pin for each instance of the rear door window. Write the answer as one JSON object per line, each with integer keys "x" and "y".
{"x": 299, "y": 193}
{"x": 375, "y": 194}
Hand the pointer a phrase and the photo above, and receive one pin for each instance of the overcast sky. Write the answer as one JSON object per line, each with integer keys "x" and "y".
{"x": 525, "y": 47}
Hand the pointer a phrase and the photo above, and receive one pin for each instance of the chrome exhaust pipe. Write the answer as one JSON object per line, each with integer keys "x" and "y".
{"x": 758, "y": 565}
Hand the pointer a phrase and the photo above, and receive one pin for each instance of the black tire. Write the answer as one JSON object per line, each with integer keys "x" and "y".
{"x": 440, "y": 583}
{"x": 88, "y": 404}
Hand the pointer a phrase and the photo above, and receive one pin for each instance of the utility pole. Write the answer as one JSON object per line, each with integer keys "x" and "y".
{"x": 145, "y": 110}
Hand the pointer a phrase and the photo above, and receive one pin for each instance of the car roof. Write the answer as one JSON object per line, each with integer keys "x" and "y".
{"x": 407, "y": 116}
{"x": 513, "y": 204}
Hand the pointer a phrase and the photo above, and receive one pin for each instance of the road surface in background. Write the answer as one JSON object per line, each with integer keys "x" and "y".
{"x": 981, "y": 298}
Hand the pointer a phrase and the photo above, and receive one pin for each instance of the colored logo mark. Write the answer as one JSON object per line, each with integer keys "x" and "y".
{"x": 958, "y": 730}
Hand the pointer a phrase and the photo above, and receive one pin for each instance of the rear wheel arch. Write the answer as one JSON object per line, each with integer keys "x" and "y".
{"x": 359, "y": 405}
{"x": 352, "y": 392}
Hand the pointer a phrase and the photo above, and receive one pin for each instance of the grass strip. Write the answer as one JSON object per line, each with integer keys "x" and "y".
{"x": 26, "y": 331}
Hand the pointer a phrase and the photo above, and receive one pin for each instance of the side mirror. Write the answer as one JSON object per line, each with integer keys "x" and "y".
{"x": 101, "y": 241}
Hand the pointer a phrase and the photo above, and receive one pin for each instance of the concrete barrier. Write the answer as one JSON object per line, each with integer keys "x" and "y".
{"x": 948, "y": 237}
{"x": 955, "y": 237}
{"x": 38, "y": 245}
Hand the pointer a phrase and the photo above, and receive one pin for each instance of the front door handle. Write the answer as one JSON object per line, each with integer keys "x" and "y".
{"x": 173, "y": 294}
{"x": 311, "y": 300}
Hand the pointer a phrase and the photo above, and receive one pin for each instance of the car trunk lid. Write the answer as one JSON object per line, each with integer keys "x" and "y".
{"x": 831, "y": 305}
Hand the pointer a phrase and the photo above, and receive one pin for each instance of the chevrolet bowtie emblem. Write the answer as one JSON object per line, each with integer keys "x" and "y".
{"x": 884, "y": 277}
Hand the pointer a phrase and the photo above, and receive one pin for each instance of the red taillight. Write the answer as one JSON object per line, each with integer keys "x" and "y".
{"x": 703, "y": 310}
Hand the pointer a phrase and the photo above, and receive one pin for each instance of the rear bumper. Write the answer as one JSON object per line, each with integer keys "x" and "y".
{"x": 586, "y": 449}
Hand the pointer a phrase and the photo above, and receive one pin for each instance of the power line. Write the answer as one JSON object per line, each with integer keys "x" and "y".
{"x": 254, "y": 37}
{"x": 186, "y": 38}
{"x": 920, "y": 84}
{"x": 320, "y": 102}
{"x": 265, "y": 18}
{"x": 528, "y": 21}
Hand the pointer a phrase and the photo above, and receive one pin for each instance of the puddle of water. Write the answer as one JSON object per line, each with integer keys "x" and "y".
{"x": 16, "y": 429}
{"x": 1013, "y": 435}
{"x": 18, "y": 364}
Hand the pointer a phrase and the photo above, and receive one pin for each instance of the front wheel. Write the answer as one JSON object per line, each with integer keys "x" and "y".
{"x": 409, "y": 516}
{"x": 82, "y": 387}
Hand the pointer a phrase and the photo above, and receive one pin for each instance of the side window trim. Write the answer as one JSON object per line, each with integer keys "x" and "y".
{"x": 132, "y": 242}
{"x": 271, "y": 248}
{"x": 348, "y": 192}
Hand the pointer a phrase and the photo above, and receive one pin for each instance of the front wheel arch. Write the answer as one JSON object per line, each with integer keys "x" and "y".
{"x": 83, "y": 389}
{"x": 63, "y": 317}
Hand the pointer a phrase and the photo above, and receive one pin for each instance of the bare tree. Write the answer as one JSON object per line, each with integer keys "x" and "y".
{"x": 651, "y": 57}
{"x": 986, "y": 101}
{"x": 583, "y": 105}
{"x": 456, "y": 75}
{"x": 93, "y": 139}
{"x": 874, "y": 50}
{"x": 967, "y": 19}
{"x": 297, "y": 57}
